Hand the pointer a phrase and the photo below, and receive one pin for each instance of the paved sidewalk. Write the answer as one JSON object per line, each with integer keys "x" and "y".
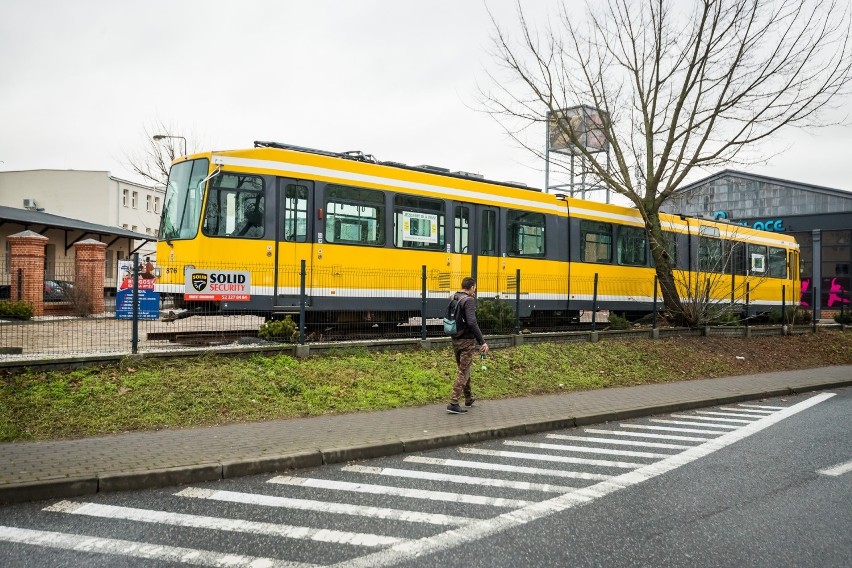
{"x": 40, "y": 470}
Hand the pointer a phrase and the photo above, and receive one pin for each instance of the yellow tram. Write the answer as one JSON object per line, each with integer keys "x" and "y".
{"x": 364, "y": 231}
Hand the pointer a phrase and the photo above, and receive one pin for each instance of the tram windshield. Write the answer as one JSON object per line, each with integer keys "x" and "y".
{"x": 184, "y": 196}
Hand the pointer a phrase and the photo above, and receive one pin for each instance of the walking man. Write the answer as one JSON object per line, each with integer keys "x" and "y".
{"x": 465, "y": 346}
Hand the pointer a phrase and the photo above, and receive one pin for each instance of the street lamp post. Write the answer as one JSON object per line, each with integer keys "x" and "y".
{"x": 164, "y": 136}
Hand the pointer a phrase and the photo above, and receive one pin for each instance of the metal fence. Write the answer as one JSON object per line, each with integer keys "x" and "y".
{"x": 323, "y": 305}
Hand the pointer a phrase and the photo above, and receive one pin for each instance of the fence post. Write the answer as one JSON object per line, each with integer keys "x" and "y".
{"x": 20, "y": 285}
{"x": 518, "y": 301}
{"x": 595, "y": 302}
{"x": 783, "y": 307}
{"x": 747, "y": 302}
{"x": 423, "y": 303}
{"x": 656, "y": 285}
{"x": 134, "y": 327}
{"x": 302, "y": 303}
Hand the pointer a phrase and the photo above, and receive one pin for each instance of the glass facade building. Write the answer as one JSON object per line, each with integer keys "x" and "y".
{"x": 820, "y": 219}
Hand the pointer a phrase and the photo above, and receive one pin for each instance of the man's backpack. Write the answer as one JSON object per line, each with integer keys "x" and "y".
{"x": 453, "y": 315}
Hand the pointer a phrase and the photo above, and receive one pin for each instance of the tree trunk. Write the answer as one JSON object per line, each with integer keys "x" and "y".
{"x": 660, "y": 252}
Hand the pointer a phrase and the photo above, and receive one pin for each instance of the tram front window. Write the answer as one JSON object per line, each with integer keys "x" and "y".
{"x": 184, "y": 196}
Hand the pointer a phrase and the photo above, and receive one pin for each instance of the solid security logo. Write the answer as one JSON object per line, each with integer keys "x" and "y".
{"x": 199, "y": 281}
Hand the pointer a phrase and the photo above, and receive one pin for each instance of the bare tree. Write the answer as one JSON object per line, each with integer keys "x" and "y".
{"x": 675, "y": 90}
{"x": 154, "y": 158}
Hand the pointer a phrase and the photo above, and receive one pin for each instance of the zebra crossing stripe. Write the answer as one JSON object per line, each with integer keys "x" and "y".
{"x": 582, "y": 449}
{"x": 712, "y": 419}
{"x": 731, "y": 414}
{"x": 672, "y": 429}
{"x": 463, "y": 479}
{"x": 545, "y": 457}
{"x": 632, "y": 443}
{"x": 752, "y": 412}
{"x": 172, "y": 554}
{"x": 398, "y": 491}
{"x": 647, "y": 435}
{"x": 215, "y": 523}
{"x": 487, "y": 527}
{"x": 508, "y": 468}
{"x": 322, "y": 506}
{"x": 762, "y": 406}
{"x": 688, "y": 423}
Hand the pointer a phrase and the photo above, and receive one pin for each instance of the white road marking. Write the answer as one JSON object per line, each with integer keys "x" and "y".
{"x": 712, "y": 419}
{"x": 398, "y": 491}
{"x": 838, "y": 469}
{"x": 634, "y": 443}
{"x": 510, "y": 468}
{"x": 325, "y": 507}
{"x": 98, "y": 545}
{"x": 763, "y": 406}
{"x": 672, "y": 429}
{"x": 487, "y": 527}
{"x": 462, "y": 479}
{"x": 730, "y": 414}
{"x": 545, "y": 457}
{"x": 215, "y": 523}
{"x": 751, "y": 411}
{"x": 689, "y": 423}
{"x": 585, "y": 450}
{"x": 646, "y": 435}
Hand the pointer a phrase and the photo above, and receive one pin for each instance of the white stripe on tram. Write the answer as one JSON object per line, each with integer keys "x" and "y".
{"x": 398, "y": 491}
{"x": 463, "y": 479}
{"x": 583, "y": 449}
{"x": 545, "y": 457}
{"x": 632, "y": 443}
{"x": 215, "y": 523}
{"x": 324, "y": 507}
{"x": 508, "y": 468}
{"x": 398, "y": 554}
{"x": 671, "y": 429}
{"x": 712, "y": 419}
{"x": 645, "y": 435}
{"x": 689, "y": 423}
{"x": 133, "y": 549}
{"x": 733, "y": 414}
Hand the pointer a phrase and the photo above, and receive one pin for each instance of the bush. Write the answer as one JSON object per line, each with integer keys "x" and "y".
{"x": 618, "y": 322}
{"x": 279, "y": 330}
{"x": 495, "y": 315}
{"x": 16, "y": 310}
{"x": 844, "y": 318}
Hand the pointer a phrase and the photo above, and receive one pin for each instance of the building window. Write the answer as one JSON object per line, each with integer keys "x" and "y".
{"x": 134, "y": 199}
{"x": 148, "y": 203}
{"x": 156, "y": 204}
{"x": 134, "y": 228}
{"x": 125, "y": 196}
{"x": 124, "y": 226}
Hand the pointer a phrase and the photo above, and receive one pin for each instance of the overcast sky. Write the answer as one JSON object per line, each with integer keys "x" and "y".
{"x": 80, "y": 81}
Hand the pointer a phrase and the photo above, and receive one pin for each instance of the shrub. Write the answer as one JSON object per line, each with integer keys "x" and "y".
{"x": 279, "y": 330}
{"x": 618, "y": 322}
{"x": 495, "y": 315}
{"x": 16, "y": 310}
{"x": 844, "y": 318}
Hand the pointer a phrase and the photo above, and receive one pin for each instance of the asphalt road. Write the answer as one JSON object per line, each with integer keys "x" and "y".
{"x": 738, "y": 488}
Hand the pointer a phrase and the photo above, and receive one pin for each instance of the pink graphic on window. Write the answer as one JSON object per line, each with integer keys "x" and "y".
{"x": 835, "y": 293}
{"x": 805, "y": 285}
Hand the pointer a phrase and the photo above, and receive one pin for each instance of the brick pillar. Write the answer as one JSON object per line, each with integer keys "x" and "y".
{"x": 89, "y": 271}
{"x": 27, "y": 255}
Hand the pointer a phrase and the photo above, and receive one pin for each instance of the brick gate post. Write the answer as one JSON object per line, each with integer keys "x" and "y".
{"x": 27, "y": 255}
{"x": 89, "y": 272}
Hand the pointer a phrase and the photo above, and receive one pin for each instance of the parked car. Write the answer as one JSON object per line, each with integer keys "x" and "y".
{"x": 57, "y": 290}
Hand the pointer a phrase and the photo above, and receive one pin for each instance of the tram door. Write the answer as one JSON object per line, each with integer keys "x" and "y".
{"x": 293, "y": 241}
{"x": 477, "y": 246}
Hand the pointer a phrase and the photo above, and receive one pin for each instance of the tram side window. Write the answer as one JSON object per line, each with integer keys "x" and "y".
{"x": 736, "y": 252}
{"x": 295, "y": 213}
{"x": 419, "y": 222}
{"x": 354, "y": 215}
{"x": 235, "y": 207}
{"x": 757, "y": 259}
{"x": 525, "y": 233}
{"x": 777, "y": 263}
{"x": 710, "y": 255}
{"x": 631, "y": 246}
{"x": 488, "y": 234}
{"x": 595, "y": 241}
{"x": 461, "y": 243}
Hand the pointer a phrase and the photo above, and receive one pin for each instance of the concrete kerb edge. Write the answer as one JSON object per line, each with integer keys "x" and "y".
{"x": 362, "y": 452}
{"x": 47, "y": 489}
{"x": 165, "y": 477}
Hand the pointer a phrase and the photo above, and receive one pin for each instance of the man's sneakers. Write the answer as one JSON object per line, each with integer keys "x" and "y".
{"x": 454, "y": 408}
{"x": 469, "y": 402}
